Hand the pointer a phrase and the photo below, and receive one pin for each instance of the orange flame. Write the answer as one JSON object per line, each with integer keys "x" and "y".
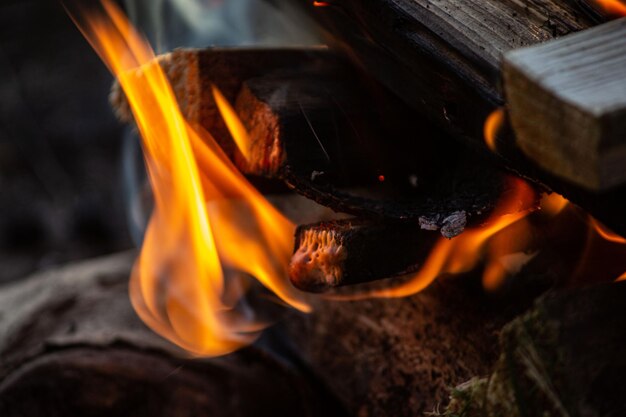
{"x": 604, "y": 232}
{"x": 612, "y": 7}
{"x": 321, "y": 3}
{"x": 236, "y": 128}
{"x": 178, "y": 285}
{"x": 493, "y": 123}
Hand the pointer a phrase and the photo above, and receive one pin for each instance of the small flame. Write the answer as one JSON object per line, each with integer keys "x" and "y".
{"x": 178, "y": 285}
{"x": 492, "y": 126}
{"x": 605, "y": 233}
{"x": 236, "y": 128}
{"x": 321, "y": 3}
{"x": 612, "y": 7}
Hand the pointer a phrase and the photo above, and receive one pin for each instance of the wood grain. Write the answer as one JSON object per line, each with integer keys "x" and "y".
{"x": 567, "y": 102}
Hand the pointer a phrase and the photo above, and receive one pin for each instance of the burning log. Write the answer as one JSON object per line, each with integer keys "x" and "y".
{"x": 563, "y": 357}
{"x": 567, "y": 104}
{"x": 346, "y": 252}
{"x": 313, "y": 124}
{"x": 70, "y": 339}
{"x": 193, "y": 72}
{"x": 444, "y": 60}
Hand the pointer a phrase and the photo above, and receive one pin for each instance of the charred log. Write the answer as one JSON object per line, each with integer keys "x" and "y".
{"x": 422, "y": 52}
{"x": 347, "y": 252}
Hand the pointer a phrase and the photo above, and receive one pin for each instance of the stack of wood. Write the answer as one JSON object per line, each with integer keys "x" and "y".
{"x": 396, "y": 143}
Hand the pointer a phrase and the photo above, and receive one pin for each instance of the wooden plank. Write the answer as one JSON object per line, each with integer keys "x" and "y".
{"x": 567, "y": 104}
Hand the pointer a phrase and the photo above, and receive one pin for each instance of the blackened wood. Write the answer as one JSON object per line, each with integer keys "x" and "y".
{"x": 192, "y": 72}
{"x": 323, "y": 132}
{"x": 353, "y": 251}
{"x": 443, "y": 58}
{"x": 70, "y": 344}
{"x": 317, "y": 124}
{"x": 567, "y": 104}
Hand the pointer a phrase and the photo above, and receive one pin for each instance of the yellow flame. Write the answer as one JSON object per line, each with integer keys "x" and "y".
{"x": 178, "y": 284}
{"x": 492, "y": 125}
{"x": 236, "y": 128}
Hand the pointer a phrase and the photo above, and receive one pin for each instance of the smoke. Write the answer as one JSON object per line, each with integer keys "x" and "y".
{"x": 169, "y": 24}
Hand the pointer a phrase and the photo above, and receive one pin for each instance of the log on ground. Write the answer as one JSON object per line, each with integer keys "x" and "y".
{"x": 70, "y": 344}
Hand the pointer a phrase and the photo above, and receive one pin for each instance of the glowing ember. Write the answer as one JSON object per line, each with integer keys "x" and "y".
{"x": 612, "y": 7}
{"x": 553, "y": 204}
{"x": 492, "y": 126}
{"x": 178, "y": 284}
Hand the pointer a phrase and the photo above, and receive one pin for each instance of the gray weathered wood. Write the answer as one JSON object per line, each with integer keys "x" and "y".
{"x": 567, "y": 103}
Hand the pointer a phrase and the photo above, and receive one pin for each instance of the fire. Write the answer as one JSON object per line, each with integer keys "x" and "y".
{"x": 612, "y": 7}
{"x": 321, "y": 3}
{"x": 605, "y": 233}
{"x": 236, "y": 128}
{"x": 552, "y": 204}
{"x": 186, "y": 284}
{"x": 493, "y": 123}
{"x": 464, "y": 252}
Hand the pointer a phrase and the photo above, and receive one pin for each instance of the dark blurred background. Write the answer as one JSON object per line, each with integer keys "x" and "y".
{"x": 61, "y": 193}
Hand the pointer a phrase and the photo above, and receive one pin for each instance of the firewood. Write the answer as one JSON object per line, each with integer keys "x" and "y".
{"x": 70, "y": 344}
{"x": 192, "y": 72}
{"x": 321, "y": 133}
{"x": 565, "y": 357}
{"x": 567, "y": 103}
{"x": 443, "y": 58}
{"x": 315, "y": 124}
{"x": 352, "y": 251}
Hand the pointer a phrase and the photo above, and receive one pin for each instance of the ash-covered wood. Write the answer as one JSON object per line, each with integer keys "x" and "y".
{"x": 353, "y": 251}
{"x": 71, "y": 345}
{"x": 567, "y": 104}
{"x": 565, "y": 357}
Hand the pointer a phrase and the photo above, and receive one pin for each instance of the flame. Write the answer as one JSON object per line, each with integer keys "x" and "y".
{"x": 179, "y": 283}
{"x": 321, "y": 3}
{"x": 493, "y": 123}
{"x": 604, "y": 232}
{"x": 612, "y": 7}
{"x": 236, "y": 128}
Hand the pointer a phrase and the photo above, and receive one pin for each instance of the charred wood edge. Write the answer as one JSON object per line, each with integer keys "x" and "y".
{"x": 282, "y": 153}
{"x": 566, "y": 105}
{"x": 70, "y": 337}
{"x": 438, "y": 73}
{"x": 192, "y": 72}
{"x": 564, "y": 356}
{"x": 353, "y": 251}
{"x": 285, "y": 144}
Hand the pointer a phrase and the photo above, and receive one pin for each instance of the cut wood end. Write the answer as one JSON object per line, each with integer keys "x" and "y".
{"x": 267, "y": 154}
{"x": 182, "y": 70}
{"x": 567, "y": 105}
{"x": 317, "y": 262}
